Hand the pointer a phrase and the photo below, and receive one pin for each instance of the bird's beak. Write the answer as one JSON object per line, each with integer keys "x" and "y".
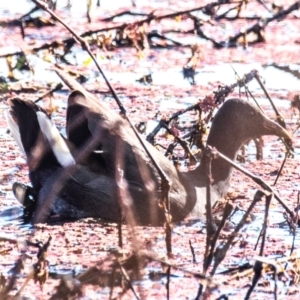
{"x": 273, "y": 128}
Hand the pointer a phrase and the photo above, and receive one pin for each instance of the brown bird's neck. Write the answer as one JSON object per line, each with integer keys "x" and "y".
{"x": 227, "y": 145}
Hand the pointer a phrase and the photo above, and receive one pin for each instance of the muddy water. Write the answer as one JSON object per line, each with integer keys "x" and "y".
{"x": 275, "y": 80}
{"x": 279, "y": 83}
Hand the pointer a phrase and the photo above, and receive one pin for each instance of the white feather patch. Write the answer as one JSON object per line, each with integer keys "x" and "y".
{"x": 57, "y": 143}
{"x": 14, "y": 130}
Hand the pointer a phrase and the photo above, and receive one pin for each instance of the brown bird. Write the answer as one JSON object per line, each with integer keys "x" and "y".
{"x": 82, "y": 180}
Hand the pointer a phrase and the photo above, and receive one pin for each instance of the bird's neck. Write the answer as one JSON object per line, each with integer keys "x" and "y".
{"x": 220, "y": 169}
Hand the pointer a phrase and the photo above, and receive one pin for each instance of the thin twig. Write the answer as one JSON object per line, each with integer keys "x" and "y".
{"x": 209, "y": 256}
{"x": 213, "y": 100}
{"x": 55, "y": 89}
{"x": 168, "y": 282}
{"x": 246, "y": 87}
{"x": 221, "y": 252}
{"x": 279, "y": 117}
{"x": 165, "y": 181}
{"x": 281, "y": 167}
{"x": 193, "y": 252}
{"x": 257, "y": 27}
{"x": 259, "y": 181}
{"x": 126, "y": 277}
{"x": 294, "y": 228}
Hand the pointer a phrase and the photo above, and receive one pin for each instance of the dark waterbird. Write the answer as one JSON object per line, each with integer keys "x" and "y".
{"x": 82, "y": 183}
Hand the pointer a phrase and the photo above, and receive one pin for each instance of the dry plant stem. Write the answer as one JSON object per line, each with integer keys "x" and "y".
{"x": 181, "y": 142}
{"x": 246, "y": 87}
{"x": 85, "y": 47}
{"x": 113, "y": 277}
{"x": 168, "y": 282}
{"x": 238, "y": 270}
{"x": 279, "y": 117}
{"x": 149, "y": 188}
{"x": 193, "y": 252}
{"x": 69, "y": 41}
{"x": 266, "y": 220}
{"x": 258, "y": 26}
{"x": 257, "y": 268}
{"x": 200, "y": 289}
{"x": 223, "y": 15}
{"x": 208, "y": 258}
{"x": 258, "y": 181}
{"x": 120, "y": 238}
{"x": 258, "y": 265}
{"x": 152, "y": 16}
{"x": 168, "y": 217}
{"x": 154, "y": 257}
{"x": 119, "y": 179}
{"x": 159, "y": 36}
{"x": 165, "y": 182}
{"x": 210, "y": 155}
{"x": 294, "y": 224}
{"x": 88, "y": 10}
{"x": 21, "y": 21}
{"x": 125, "y": 275}
{"x": 277, "y": 263}
{"x": 209, "y": 218}
{"x": 253, "y": 98}
{"x": 124, "y": 13}
{"x": 220, "y": 253}
{"x": 263, "y": 3}
{"x": 210, "y": 228}
{"x": 221, "y": 44}
{"x": 188, "y": 152}
{"x": 275, "y": 283}
{"x": 144, "y": 254}
{"x": 281, "y": 167}
{"x": 258, "y": 238}
{"x": 218, "y": 96}
{"x": 124, "y": 199}
{"x": 55, "y": 89}
{"x": 29, "y": 13}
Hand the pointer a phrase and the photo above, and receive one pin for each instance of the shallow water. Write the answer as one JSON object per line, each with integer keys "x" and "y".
{"x": 277, "y": 81}
{"x": 274, "y": 79}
